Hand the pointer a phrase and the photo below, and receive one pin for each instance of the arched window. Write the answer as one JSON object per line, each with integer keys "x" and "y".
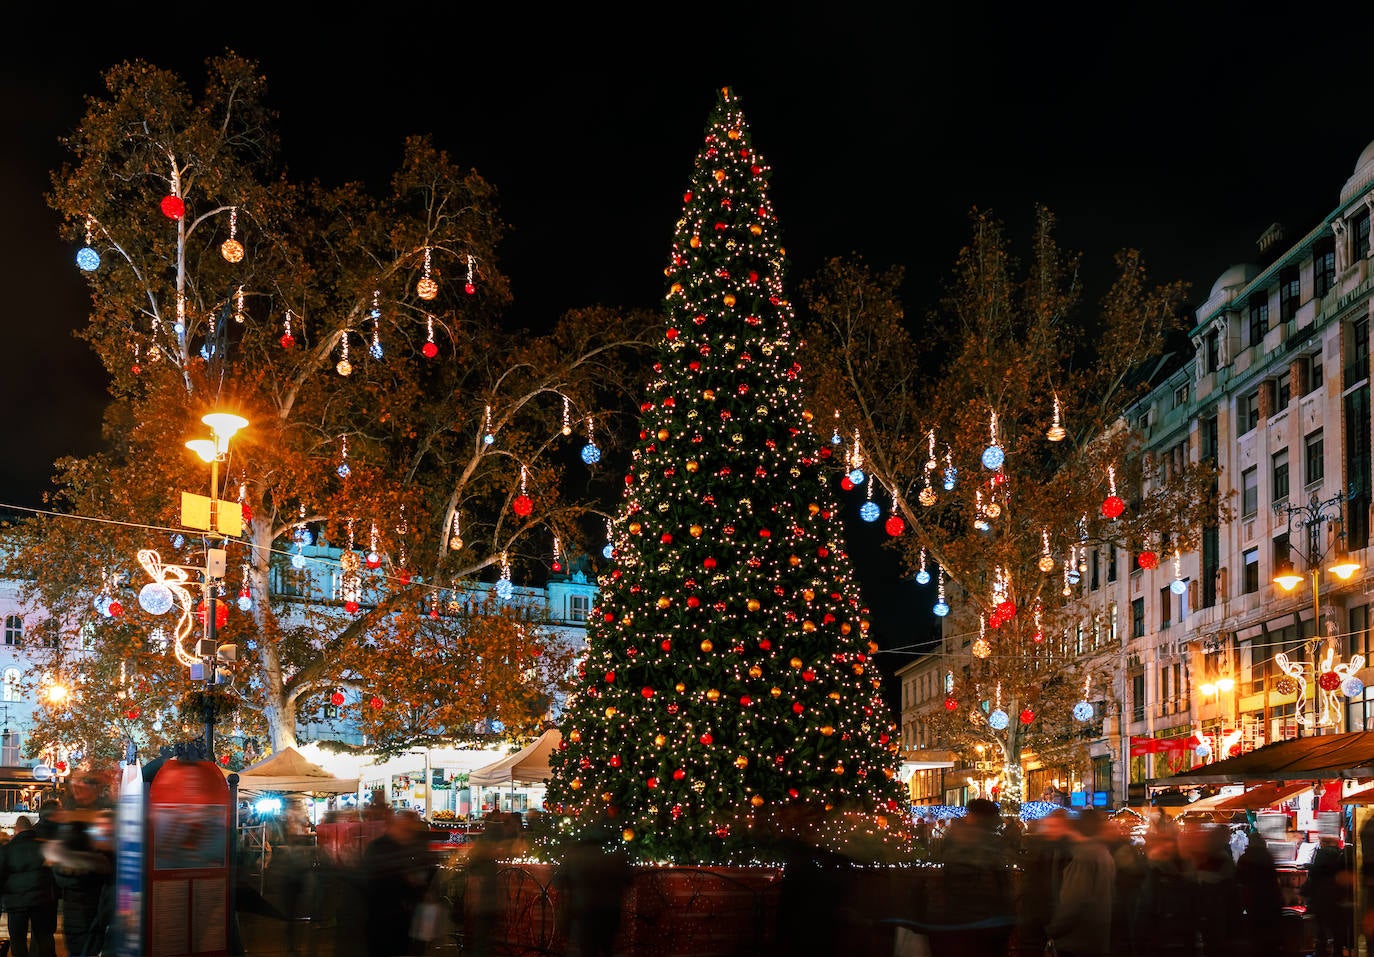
{"x": 14, "y": 630}
{"x": 10, "y": 685}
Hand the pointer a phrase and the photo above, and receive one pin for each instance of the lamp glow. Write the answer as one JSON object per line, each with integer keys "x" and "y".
{"x": 1225, "y": 684}
{"x": 1208, "y": 689}
{"x": 1344, "y": 568}
{"x": 1288, "y": 579}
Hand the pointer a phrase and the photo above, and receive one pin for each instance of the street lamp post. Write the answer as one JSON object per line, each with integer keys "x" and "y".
{"x": 1310, "y": 519}
{"x": 214, "y": 450}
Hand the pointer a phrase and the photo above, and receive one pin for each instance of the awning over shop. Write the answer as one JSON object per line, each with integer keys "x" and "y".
{"x": 1348, "y": 755}
{"x": 288, "y": 772}
{"x": 1213, "y": 803}
{"x": 1266, "y": 795}
{"x": 530, "y": 764}
{"x": 1363, "y": 796}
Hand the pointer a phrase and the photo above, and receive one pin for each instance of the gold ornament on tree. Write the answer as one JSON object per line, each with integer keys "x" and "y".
{"x": 231, "y": 249}
{"x": 427, "y": 288}
{"x": 1047, "y": 562}
{"x": 1056, "y": 431}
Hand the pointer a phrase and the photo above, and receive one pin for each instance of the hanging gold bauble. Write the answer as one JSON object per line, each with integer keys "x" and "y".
{"x": 796, "y": 662}
{"x": 663, "y": 435}
{"x": 695, "y": 531}
{"x": 756, "y": 800}
{"x": 753, "y": 604}
{"x": 808, "y": 626}
{"x": 827, "y": 730}
{"x": 694, "y": 242}
{"x": 628, "y": 834}
{"x": 574, "y": 736}
{"x": 455, "y": 543}
{"x": 1056, "y": 433}
{"x": 981, "y": 648}
{"x": 348, "y": 561}
{"x": 692, "y": 466}
{"x": 712, "y": 695}
{"x": 344, "y": 367}
{"x": 706, "y": 646}
{"x": 755, "y": 671}
{"x": 993, "y": 510}
{"x": 927, "y": 496}
{"x": 610, "y": 712}
{"x": 664, "y": 601}
{"x": 741, "y": 762}
{"x": 660, "y": 740}
{"x": 728, "y": 299}
{"x": 426, "y": 288}
{"x": 679, "y": 687}
{"x": 775, "y": 692}
{"x": 232, "y": 250}
{"x": 756, "y": 229}
{"x": 575, "y": 784}
{"x": 1046, "y": 563}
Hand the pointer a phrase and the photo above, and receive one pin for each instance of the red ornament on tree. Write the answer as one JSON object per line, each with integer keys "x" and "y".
{"x": 1329, "y": 681}
{"x": 132, "y": 714}
{"x": 894, "y": 525}
{"x": 522, "y": 506}
{"x": 375, "y": 702}
{"x": 469, "y": 288}
{"x": 1147, "y": 560}
{"x": 951, "y": 703}
{"x": 172, "y": 207}
{"x": 115, "y": 609}
{"x": 221, "y": 613}
{"x": 1007, "y": 610}
{"x": 429, "y": 350}
{"x": 336, "y": 698}
{"x": 288, "y": 341}
{"x": 351, "y": 607}
{"x": 1027, "y": 716}
{"x": 847, "y": 484}
{"x": 1113, "y": 506}
{"x": 224, "y": 760}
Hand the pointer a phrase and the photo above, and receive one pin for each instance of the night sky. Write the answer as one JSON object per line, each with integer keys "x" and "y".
{"x": 1183, "y": 134}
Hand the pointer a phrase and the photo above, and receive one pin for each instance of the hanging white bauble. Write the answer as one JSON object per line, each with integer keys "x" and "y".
{"x": 155, "y": 598}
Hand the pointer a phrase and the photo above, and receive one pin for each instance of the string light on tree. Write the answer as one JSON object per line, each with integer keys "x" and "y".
{"x": 981, "y": 647}
{"x": 941, "y": 608}
{"x": 1056, "y": 431}
{"x": 557, "y": 565}
{"x": 231, "y": 249}
{"x": 856, "y": 461}
{"x": 344, "y": 470}
{"x": 1046, "y": 563}
{"x": 590, "y": 453}
{"x": 430, "y": 349}
{"x": 488, "y": 434}
{"x": 427, "y": 289}
{"x": 608, "y": 550}
{"x": 998, "y": 719}
{"x": 869, "y": 510}
{"x": 951, "y": 475}
{"x": 375, "y": 350}
{"x": 245, "y": 600}
{"x": 993, "y": 456}
{"x": 87, "y": 259}
{"x": 374, "y": 557}
{"x": 1083, "y": 711}
{"x": 894, "y": 526}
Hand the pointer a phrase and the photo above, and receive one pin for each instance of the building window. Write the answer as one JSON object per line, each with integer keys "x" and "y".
{"x": 1282, "y": 556}
{"x": 1211, "y": 351}
{"x": 1095, "y": 562}
{"x": 1283, "y": 392}
{"x": 578, "y": 606}
{"x": 1138, "y": 618}
{"x": 1111, "y": 563}
{"x": 1249, "y": 491}
{"x": 1208, "y": 438}
{"x": 1250, "y": 576}
{"x": 1280, "y": 484}
{"x": 1259, "y": 317}
{"x": 10, "y": 690}
{"x": 1360, "y": 229}
{"x": 1166, "y": 606}
{"x": 9, "y": 749}
{"x": 1247, "y": 412}
{"x": 1290, "y": 293}
{"x": 1312, "y": 372}
{"x": 1359, "y": 348}
{"x": 14, "y": 630}
{"x": 1181, "y": 396}
{"x": 1313, "y": 467}
{"x": 1323, "y": 267}
{"x": 1138, "y": 696}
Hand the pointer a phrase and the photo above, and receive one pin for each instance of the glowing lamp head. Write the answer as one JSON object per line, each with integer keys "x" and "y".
{"x": 57, "y": 694}
{"x": 1288, "y": 579}
{"x": 1225, "y": 684}
{"x": 205, "y": 448}
{"x": 1344, "y": 568}
{"x": 1208, "y": 689}
{"x": 225, "y": 425}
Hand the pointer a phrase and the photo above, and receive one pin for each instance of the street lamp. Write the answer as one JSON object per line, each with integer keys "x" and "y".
{"x": 1309, "y": 519}
{"x": 214, "y": 450}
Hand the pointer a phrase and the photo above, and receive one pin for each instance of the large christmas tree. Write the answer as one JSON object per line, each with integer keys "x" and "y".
{"x": 729, "y": 682}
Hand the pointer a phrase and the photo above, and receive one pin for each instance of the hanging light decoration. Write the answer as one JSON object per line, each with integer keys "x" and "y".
{"x": 523, "y": 504}
{"x": 856, "y": 461}
{"x": 894, "y": 526}
{"x": 922, "y": 575}
{"x": 374, "y": 557}
{"x": 557, "y": 565}
{"x": 344, "y": 368}
{"x": 488, "y": 436}
{"x": 1147, "y": 560}
{"x": 1046, "y": 563}
{"x": 998, "y": 719}
{"x": 470, "y": 286}
{"x": 1178, "y": 586}
{"x": 231, "y": 249}
{"x": 993, "y": 456}
{"x": 927, "y": 495}
{"x": 1113, "y": 505}
{"x": 375, "y": 314}
{"x": 1083, "y": 711}
{"x": 430, "y": 349}
{"x": 287, "y": 339}
{"x": 608, "y": 550}
{"x": 951, "y": 473}
{"x": 344, "y": 469}
{"x": 590, "y": 453}
{"x": 941, "y": 608}
{"x": 504, "y": 588}
{"x": 1056, "y": 432}
{"x": 1039, "y": 634}
{"x": 238, "y": 305}
{"x": 245, "y": 601}
{"x": 567, "y": 417}
{"x": 981, "y": 648}
{"x": 980, "y": 521}
{"x": 455, "y": 534}
{"x": 835, "y": 437}
{"x": 87, "y": 259}
{"x": 427, "y": 289}
{"x": 869, "y": 510}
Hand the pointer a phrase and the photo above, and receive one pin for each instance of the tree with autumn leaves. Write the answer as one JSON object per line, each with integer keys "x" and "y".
{"x": 390, "y": 414}
{"x": 1011, "y": 461}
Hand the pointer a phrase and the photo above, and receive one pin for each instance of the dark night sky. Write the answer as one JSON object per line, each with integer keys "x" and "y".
{"x": 1181, "y": 133}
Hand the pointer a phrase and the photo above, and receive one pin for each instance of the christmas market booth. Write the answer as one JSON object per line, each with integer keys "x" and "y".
{"x": 1296, "y": 793}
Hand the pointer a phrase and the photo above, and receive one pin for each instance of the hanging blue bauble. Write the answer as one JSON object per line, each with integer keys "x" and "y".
{"x": 375, "y": 350}
{"x": 302, "y": 536}
{"x": 923, "y": 577}
{"x": 951, "y": 476}
{"x": 1074, "y": 576}
{"x": 869, "y": 511}
{"x": 591, "y": 454}
{"x": 997, "y": 720}
{"x": 155, "y": 598}
{"x": 488, "y": 439}
{"x": 835, "y": 439}
{"x": 245, "y": 603}
{"x": 102, "y": 604}
{"x": 504, "y": 589}
{"x": 298, "y": 561}
{"x": 1083, "y": 711}
{"x": 1178, "y": 586}
{"x": 343, "y": 470}
{"x": 1352, "y": 687}
{"x": 206, "y": 352}
{"x": 1203, "y": 749}
{"x": 608, "y": 550}
{"x": 87, "y": 259}
{"x": 178, "y": 540}
{"x": 941, "y": 608}
{"x": 993, "y": 457}
{"x": 857, "y": 476}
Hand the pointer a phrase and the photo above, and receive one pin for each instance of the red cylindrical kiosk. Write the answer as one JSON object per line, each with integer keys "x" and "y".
{"x": 190, "y": 826}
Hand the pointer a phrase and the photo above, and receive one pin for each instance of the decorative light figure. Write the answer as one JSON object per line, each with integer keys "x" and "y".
{"x": 155, "y": 598}
{"x": 835, "y": 438}
{"x": 590, "y": 453}
{"x": 894, "y": 525}
{"x": 998, "y": 719}
{"x": 567, "y": 416}
{"x": 922, "y": 576}
{"x": 1083, "y": 711}
{"x": 609, "y": 548}
{"x": 1056, "y": 432}
{"x": 1178, "y": 586}
{"x": 488, "y": 436}
{"x": 344, "y": 469}
{"x": 180, "y": 326}
{"x": 1046, "y": 563}
{"x": 298, "y": 559}
{"x": 374, "y": 557}
{"x": 941, "y": 606}
{"x": 980, "y": 521}
{"x": 504, "y": 588}
{"x": 231, "y": 249}
{"x": 344, "y": 368}
{"x": 455, "y": 535}
{"x": 869, "y": 510}
{"x": 1352, "y": 687}
{"x": 287, "y": 340}
{"x": 427, "y": 289}
{"x": 375, "y": 350}
{"x": 1113, "y": 505}
{"x": 856, "y": 461}
{"x": 557, "y": 565}
{"x": 87, "y": 259}
{"x": 430, "y": 349}
{"x": 523, "y": 504}
{"x": 931, "y": 463}
{"x": 981, "y": 648}
{"x": 470, "y": 287}
{"x": 993, "y": 456}
{"x": 238, "y": 305}
{"x": 245, "y": 601}
{"x": 927, "y": 495}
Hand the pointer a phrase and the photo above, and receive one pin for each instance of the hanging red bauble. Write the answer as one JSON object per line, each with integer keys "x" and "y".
{"x": 1007, "y": 609}
{"x": 288, "y": 341}
{"x": 706, "y": 739}
{"x": 60, "y": 767}
{"x": 221, "y": 613}
{"x": 373, "y": 560}
{"x": 1147, "y": 560}
{"x": 115, "y": 609}
{"x": 557, "y": 567}
{"x": 1027, "y": 716}
{"x": 173, "y": 207}
{"x": 429, "y": 350}
{"x": 224, "y": 760}
{"x": 351, "y": 607}
{"x": 1113, "y": 506}
{"x": 1329, "y": 681}
{"x": 247, "y": 512}
{"x": 847, "y": 484}
{"x": 336, "y": 698}
{"x": 375, "y": 702}
{"x": 469, "y": 288}
{"x": 522, "y": 506}
{"x": 951, "y": 703}
{"x": 404, "y": 576}
{"x": 132, "y": 714}
{"x": 894, "y": 525}
{"x": 434, "y": 613}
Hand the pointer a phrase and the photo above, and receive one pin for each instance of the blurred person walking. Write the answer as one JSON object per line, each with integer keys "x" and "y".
{"x": 971, "y": 912}
{"x": 1165, "y": 918}
{"x": 1046, "y": 852}
{"x": 398, "y": 871}
{"x": 487, "y": 907}
{"x": 1261, "y": 900}
{"x": 1217, "y": 893}
{"x": 1325, "y": 891}
{"x": 1082, "y": 922}
{"x": 30, "y": 893}
{"x": 591, "y": 883}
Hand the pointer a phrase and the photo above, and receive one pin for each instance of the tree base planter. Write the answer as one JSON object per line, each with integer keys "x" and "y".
{"x": 684, "y": 911}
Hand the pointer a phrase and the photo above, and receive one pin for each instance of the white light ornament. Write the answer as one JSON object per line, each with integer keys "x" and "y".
{"x": 87, "y": 259}
{"x": 567, "y": 417}
{"x": 1178, "y": 586}
{"x": 1083, "y": 711}
{"x": 941, "y": 608}
{"x": 344, "y": 469}
{"x": 869, "y": 510}
{"x": 455, "y": 535}
{"x": 245, "y": 600}
{"x": 1046, "y": 563}
{"x": 375, "y": 349}
{"x": 488, "y": 436}
{"x": 504, "y": 588}
{"x": 951, "y": 473}
{"x": 1056, "y": 431}
{"x": 998, "y": 719}
{"x": 590, "y": 453}
{"x": 856, "y": 461}
{"x": 608, "y": 549}
{"x": 168, "y": 587}
{"x": 993, "y": 456}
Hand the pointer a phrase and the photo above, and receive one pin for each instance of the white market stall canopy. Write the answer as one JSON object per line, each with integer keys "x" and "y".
{"x": 531, "y": 764}
{"x": 289, "y": 772}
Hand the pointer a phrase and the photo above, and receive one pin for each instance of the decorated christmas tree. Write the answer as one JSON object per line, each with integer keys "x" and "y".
{"x": 729, "y": 682}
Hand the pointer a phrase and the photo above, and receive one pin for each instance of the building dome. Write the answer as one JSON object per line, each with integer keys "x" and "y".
{"x": 1236, "y": 276}
{"x": 1363, "y": 175}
